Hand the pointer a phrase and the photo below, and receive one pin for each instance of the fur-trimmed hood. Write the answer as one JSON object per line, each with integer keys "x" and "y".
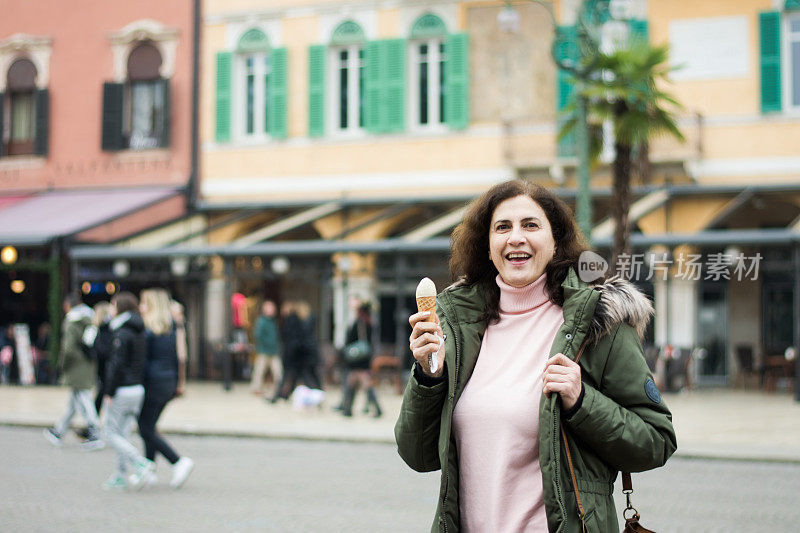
{"x": 620, "y": 302}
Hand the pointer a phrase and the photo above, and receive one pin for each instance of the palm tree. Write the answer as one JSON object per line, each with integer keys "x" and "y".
{"x": 625, "y": 91}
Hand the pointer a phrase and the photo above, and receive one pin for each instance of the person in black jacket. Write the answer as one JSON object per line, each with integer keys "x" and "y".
{"x": 358, "y": 375}
{"x": 164, "y": 380}
{"x": 300, "y": 349}
{"x": 123, "y": 384}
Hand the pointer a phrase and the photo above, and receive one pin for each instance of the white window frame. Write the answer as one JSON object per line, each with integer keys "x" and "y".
{"x": 434, "y": 75}
{"x": 787, "y": 38}
{"x": 333, "y": 64}
{"x": 239, "y": 97}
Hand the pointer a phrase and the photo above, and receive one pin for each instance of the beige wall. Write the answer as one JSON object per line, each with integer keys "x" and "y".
{"x": 739, "y": 143}
{"x": 512, "y": 79}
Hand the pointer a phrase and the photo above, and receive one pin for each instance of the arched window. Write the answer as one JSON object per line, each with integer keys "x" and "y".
{"x": 251, "y": 93}
{"x": 427, "y": 59}
{"x": 145, "y": 100}
{"x": 347, "y": 58}
{"x": 21, "y": 108}
{"x": 136, "y": 111}
{"x": 253, "y": 82}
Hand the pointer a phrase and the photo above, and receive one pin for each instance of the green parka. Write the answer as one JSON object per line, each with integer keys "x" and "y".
{"x": 622, "y": 423}
{"x": 77, "y": 369}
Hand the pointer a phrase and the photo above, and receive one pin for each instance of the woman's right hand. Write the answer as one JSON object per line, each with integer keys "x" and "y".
{"x": 426, "y": 339}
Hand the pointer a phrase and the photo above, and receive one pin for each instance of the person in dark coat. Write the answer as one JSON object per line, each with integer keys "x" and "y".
{"x": 123, "y": 384}
{"x": 358, "y": 375}
{"x": 300, "y": 349}
{"x": 162, "y": 381}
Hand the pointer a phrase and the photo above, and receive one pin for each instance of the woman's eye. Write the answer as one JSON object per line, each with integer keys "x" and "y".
{"x": 501, "y": 227}
{"x": 532, "y": 225}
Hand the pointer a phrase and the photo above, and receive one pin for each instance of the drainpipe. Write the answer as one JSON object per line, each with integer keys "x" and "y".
{"x": 192, "y": 187}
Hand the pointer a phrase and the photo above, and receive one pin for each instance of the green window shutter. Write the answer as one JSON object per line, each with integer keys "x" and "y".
{"x": 457, "y": 80}
{"x": 395, "y": 85}
{"x": 166, "y": 119}
{"x": 373, "y": 86}
{"x": 2, "y": 106}
{"x": 112, "y": 117}
{"x": 316, "y": 91}
{"x": 567, "y": 49}
{"x": 791, "y": 4}
{"x": 639, "y": 30}
{"x": 770, "y": 40}
{"x": 385, "y": 65}
{"x": 224, "y": 67}
{"x": 278, "y": 94}
{"x": 42, "y": 113}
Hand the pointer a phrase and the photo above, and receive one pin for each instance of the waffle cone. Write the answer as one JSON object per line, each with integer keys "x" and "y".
{"x": 426, "y": 303}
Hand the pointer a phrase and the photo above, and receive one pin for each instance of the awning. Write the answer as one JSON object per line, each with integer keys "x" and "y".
{"x": 43, "y": 217}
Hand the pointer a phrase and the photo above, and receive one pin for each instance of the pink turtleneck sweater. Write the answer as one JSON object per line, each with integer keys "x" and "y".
{"x": 496, "y": 420}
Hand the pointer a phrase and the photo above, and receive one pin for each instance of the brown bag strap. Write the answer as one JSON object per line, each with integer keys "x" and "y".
{"x": 627, "y": 485}
{"x": 581, "y": 511}
{"x": 626, "y": 482}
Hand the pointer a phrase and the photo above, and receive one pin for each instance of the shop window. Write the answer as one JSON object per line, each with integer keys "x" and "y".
{"x": 23, "y": 112}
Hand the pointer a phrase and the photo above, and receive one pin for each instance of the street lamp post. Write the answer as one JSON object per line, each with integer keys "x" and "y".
{"x": 582, "y": 70}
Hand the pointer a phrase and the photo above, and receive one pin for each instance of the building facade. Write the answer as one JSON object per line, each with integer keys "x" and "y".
{"x": 95, "y": 139}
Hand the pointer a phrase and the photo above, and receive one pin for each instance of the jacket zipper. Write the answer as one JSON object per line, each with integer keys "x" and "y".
{"x": 557, "y": 471}
{"x": 451, "y": 400}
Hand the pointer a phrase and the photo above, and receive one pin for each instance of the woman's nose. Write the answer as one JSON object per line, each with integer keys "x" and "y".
{"x": 516, "y": 237}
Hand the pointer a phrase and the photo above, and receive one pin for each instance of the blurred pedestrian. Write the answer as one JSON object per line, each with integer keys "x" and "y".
{"x": 102, "y": 346}
{"x": 309, "y": 346}
{"x": 123, "y": 384}
{"x": 267, "y": 349}
{"x": 358, "y": 353}
{"x": 78, "y": 370}
{"x": 8, "y": 356}
{"x": 42, "y": 354}
{"x": 179, "y": 319}
{"x": 300, "y": 349}
{"x": 164, "y": 379}
{"x": 99, "y": 340}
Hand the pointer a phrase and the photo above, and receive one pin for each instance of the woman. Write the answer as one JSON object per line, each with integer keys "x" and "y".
{"x": 491, "y": 416}
{"x": 123, "y": 383}
{"x": 164, "y": 379}
{"x": 358, "y": 374}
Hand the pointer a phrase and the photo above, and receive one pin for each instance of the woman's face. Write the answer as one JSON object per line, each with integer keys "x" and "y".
{"x": 520, "y": 241}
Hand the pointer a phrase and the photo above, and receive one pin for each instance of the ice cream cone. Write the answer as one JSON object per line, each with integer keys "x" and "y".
{"x": 426, "y": 301}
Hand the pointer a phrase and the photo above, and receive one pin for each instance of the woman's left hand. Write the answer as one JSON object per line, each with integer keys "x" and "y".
{"x": 562, "y": 375}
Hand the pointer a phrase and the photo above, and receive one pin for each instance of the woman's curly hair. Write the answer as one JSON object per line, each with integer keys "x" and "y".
{"x": 469, "y": 244}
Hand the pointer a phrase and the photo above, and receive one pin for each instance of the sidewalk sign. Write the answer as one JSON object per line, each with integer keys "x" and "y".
{"x": 24, "y": 354}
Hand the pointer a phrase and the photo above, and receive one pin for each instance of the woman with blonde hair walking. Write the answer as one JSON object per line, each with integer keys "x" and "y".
{"x": 164, "y": 379}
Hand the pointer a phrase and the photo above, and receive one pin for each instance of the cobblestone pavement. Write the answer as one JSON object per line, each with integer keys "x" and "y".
{"x": 255, "y": 484}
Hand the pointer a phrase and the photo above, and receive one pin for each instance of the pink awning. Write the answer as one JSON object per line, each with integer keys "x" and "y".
{"x": 40, "y": 218}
